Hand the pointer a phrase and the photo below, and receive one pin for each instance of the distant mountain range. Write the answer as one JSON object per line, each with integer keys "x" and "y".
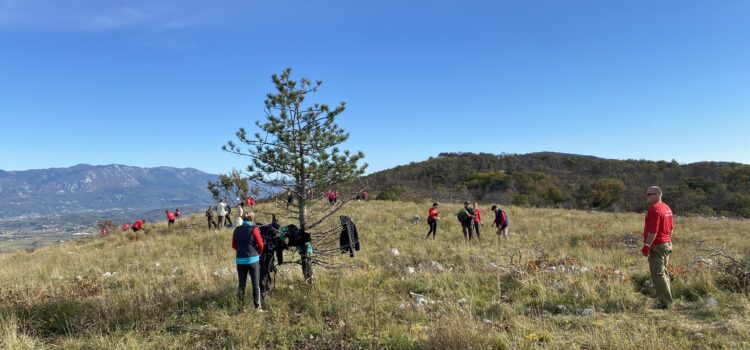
{"x": 85, "y": 188}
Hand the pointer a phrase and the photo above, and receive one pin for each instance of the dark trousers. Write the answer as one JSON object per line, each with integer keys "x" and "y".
{"x": 254, "y": 271}
{"x": 476, "y": 229}
{"x": 467, "y": 228}
{"x": 433, "y": 228}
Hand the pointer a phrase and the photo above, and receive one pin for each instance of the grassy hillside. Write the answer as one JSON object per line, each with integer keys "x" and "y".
{"x": 565, "y": 279}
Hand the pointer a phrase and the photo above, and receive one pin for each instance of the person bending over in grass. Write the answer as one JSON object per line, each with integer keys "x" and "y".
{"x": 657, "y": 244}
{"x": 432, "y": 218}
{"x": 170, "y": 219}
{"x": 501, "y": 221}
{"x": 246, "y": 240}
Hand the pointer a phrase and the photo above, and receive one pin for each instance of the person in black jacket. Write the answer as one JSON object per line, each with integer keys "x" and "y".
{"x": 468, "y": 223}
{"x": 246, "y": 240}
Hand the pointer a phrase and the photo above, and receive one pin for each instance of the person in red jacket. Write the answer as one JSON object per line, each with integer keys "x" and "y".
{"x": 138, "y": 225}
{"x": 177, "y": 213}
{"x": 170, "y": 219}
{"x": 248, "y": 243}
{"x": 657, "y": 244}
{"x": 432, "y": 218}
{"x": 501, "y": 222}
{"x": 125, "y": 227}
{"x": 477, "y": 221}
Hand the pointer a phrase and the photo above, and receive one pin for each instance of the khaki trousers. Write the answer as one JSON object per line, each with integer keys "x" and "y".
{"x": 658, "y": 260}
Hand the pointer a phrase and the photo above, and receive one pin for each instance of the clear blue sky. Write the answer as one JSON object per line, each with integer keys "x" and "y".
{"x": 150, "y": 83}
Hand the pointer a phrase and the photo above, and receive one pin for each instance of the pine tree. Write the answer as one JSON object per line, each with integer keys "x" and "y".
{"x": 297, "y": 150}
{"x": 231, "y": 186}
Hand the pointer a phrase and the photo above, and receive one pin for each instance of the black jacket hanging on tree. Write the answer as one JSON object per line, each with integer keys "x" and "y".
{"x": 349, "y": 239}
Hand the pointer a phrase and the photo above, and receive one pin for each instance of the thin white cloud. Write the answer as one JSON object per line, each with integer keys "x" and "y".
{"x": 143, "y": 23}
{"x": 120, "y": 18}
{"x": 101, "y": 16}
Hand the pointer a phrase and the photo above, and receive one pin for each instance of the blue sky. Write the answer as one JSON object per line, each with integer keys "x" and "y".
{"x": 150, "y": 83}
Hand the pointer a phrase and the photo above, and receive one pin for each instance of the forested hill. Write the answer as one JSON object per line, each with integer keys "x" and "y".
{"x": 569, "y": 181}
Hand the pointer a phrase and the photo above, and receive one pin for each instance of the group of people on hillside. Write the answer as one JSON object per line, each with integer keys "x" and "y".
{"x": 657, "y": 236}
{"x": 138, "y": 225}
{"x": 471, "y": 220}
{"x": 222, "y": 215}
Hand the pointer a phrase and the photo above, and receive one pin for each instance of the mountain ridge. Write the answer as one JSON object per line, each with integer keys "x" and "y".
{"x": 551, "y": 179}
{"x": 85, "y": 187}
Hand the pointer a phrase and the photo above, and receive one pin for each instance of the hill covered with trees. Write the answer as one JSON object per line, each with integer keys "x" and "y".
{"x": 549, "y": 179}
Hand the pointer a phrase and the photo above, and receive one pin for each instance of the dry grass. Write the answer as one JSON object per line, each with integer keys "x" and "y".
{"x": 564, "y": 279}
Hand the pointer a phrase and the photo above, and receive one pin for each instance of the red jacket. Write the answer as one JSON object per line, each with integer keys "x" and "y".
{"x": 432, "y": 214}
{"x": 125, "y": 227}
{"x": 138, "y": 224}
{"x": 170, "y": 216}
{"x": 476, "y": 215}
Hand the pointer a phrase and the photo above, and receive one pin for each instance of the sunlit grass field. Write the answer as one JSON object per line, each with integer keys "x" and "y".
{"x": 563, "y": 280}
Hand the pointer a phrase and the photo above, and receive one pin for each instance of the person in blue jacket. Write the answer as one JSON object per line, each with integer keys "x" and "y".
{"x": 246, "y": 240}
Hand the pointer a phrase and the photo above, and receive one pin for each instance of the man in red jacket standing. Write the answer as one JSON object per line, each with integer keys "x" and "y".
{"x": 657, "y": 244}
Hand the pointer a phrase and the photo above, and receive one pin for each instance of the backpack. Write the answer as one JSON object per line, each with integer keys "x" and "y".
{"x": 462, "y": 215}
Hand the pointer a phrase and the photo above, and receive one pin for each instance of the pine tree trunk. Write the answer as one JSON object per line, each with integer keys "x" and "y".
{"x": 306, "y": 260}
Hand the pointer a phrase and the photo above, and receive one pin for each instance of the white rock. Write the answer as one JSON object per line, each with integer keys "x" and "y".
{"x": 395, "y": 252}
{"x": 79, "y": 278}
{"x": 419, "y": 298}
{"x": 487, "y": 321}
{"x": 157, "y": 264}
{"x": 436, "y": 266}
{"x": 587, "y": 312}
{"x": 410, "y": 270}
{"x": 711, "y": 302}
{"x": 461, "y": 301}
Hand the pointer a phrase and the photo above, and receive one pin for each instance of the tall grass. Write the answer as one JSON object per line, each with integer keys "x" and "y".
{"x": 564, "y": 279}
